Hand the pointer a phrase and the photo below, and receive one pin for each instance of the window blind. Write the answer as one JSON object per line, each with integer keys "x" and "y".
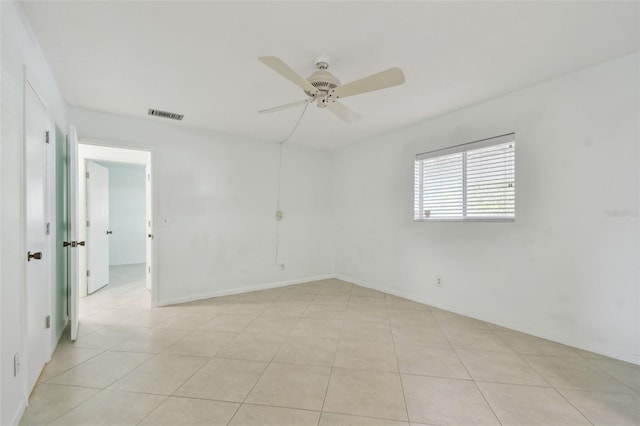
{"x": 474, "y": 181}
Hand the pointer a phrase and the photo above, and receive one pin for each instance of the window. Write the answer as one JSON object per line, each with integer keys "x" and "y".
{"x": 473, "y": 181}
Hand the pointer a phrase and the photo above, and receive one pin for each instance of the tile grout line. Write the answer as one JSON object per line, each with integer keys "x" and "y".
{"x": 259, "y": 378}
{"x": 166, "y": 397}
{"x": 103, "y": 351}
{"x": 335, "y": 354}
{"x": 571, "y": 404}
{"x": 215, "y": 357}
{"x": 395, "y": 352}
{"x": 598, "y": 368}
{"x": 80, "y": 363}
{"x": 469, "y": 374}
{"x": 578, "y": 389}
{"x": 531, "y": 367}
{"x": 254, "y": 385}
{"x": 99, "y": 390}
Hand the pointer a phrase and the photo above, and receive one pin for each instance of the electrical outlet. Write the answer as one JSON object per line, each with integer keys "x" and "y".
{"x": 438, "y": 281}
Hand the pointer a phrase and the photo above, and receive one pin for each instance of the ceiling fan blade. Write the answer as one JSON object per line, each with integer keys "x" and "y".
{"x": 281, "y": 107}
{"x": 344, "y": 113}
{"x": 382, "y": 80}
{"x": 284, "y": 70}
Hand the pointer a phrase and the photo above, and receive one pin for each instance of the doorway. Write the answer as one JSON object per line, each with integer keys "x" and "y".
{"x": 115, "y": 209}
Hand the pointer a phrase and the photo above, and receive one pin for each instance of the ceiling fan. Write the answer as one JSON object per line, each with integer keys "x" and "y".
{"x": 325, "y": 89}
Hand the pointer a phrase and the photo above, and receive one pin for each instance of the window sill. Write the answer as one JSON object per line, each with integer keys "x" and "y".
{"x": 479, "y": 219}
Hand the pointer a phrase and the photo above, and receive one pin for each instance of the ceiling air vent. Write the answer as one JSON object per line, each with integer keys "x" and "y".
{"x": 165, "y": 114}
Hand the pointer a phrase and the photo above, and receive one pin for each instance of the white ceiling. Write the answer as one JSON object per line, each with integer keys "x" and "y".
{"x": 199, "y": 58}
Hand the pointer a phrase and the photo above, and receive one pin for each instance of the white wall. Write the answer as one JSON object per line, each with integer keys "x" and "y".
{"x": 214, "y": 204}
{"x": 565, "y": 270}
{"x": 19, "y": 49}
{"x": 126, "y": 213}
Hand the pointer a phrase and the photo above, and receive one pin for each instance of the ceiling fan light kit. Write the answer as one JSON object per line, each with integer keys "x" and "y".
{"x": 325, "y": 89}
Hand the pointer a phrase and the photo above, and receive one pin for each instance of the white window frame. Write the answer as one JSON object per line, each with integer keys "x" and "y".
{"x": 419, "y": 215}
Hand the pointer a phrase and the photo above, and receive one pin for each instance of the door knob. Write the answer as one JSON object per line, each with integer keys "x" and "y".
{"x": 81, "y": 243}
{"x": 109, "y": 232}
{"x": 66, "y": 244}
{"x": 37, "y": 255}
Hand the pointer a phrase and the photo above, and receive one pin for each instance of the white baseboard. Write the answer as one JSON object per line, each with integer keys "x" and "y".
{"x": 19, "y": 412}
{"x": 377, "y": 287}
{"x": 616, "y": 353}
{"x": 241, "y": 290}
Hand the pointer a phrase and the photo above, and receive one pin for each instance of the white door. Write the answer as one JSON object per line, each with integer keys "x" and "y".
{"x": 149, "y": 224}
{"x": 74, "y": 233}
{"x": 37, "y": 288}
{"x": 97, "y": 226}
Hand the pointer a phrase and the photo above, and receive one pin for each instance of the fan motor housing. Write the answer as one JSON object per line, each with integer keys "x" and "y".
{"x": 322, "y": 80}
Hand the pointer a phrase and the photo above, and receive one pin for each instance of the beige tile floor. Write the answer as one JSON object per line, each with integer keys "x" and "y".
{"x": 322, "y": 353}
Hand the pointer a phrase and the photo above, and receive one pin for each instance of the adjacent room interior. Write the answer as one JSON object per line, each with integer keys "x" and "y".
{"x": 305, "y": 213}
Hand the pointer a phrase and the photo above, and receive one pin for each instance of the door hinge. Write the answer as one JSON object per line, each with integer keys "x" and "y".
{"x": 48, "y": 321}
{"x": 88, "y": 273}
{"x": 46, "y": 137}
{"x": 87, "y": 175}
{"x": 88, "y": 223}
{"x": 48, "y": 229}
{"x": 16, "y": 364}
{"x": 149, "y": 223}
